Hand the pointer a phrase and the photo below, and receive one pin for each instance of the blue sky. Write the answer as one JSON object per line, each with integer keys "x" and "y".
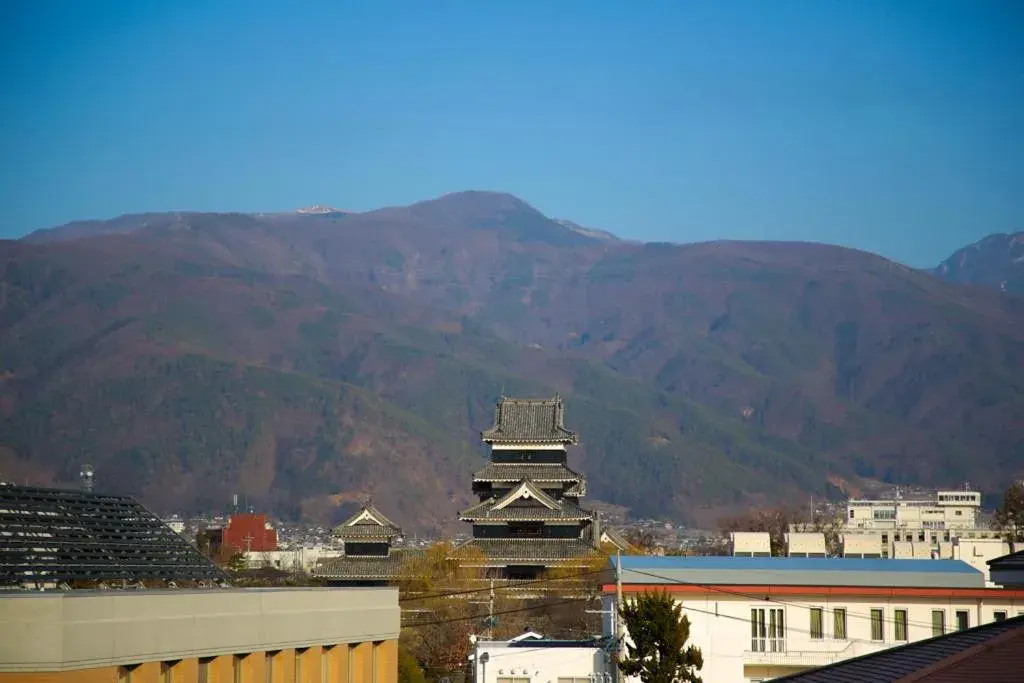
{"x": 892, "y": 126}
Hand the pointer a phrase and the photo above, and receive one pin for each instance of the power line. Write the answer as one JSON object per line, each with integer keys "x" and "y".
{"x": 516, "y": 586}
{"x": 471, "y": 617}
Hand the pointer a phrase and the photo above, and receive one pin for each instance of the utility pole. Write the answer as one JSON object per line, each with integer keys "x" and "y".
{"x": 490, "y": 611}
{"x": 619, "y": 630}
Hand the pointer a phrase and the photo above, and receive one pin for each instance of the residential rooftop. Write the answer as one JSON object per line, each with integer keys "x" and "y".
{"x": 800, "y": 571}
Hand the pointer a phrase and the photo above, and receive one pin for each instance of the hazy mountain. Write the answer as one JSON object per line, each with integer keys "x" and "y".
{"x": 305, "y": 360}
{"x": 996, "y": 261}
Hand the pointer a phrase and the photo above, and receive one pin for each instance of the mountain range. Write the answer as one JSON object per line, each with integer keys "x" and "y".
{"x": 308, "y": 359}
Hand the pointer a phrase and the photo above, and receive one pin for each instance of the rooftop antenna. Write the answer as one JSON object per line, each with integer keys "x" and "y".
{"x": 86, "y": 476}
{"x": 234, "y": 502}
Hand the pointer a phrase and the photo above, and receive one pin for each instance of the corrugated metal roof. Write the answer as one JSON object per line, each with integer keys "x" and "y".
{"x": 800, "y": 571}
{"x": 992, "y": 652}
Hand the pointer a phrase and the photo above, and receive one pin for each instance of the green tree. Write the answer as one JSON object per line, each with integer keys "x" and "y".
{"x": 659, "y": 631}
{"x": 237, "y": 563}
{"x": 1009, "y": 517}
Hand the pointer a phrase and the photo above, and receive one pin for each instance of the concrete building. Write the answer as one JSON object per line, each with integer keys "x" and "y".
{"x": 948, "y": 510}
{"x": 759, "y": 618}
{"x": 531, "y": 658}
{"x": 294, "y": 635}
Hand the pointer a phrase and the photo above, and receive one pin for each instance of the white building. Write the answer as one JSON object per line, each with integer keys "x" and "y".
{"x": 948, "y": 510}
{"x": 301, "y": 559}
{"x": 758, "y": 618}
{"x": 531, "y": 658}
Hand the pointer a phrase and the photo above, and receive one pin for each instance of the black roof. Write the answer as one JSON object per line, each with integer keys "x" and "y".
{"x": 368, "y": 523}
{"x": 55, "y": 535}
{"x": 932, "y": 659}
{"x": 529, "y": 420}
{"x": 1011, "y": 561}
{"x": 515, "y": 472}
{"x": 346, "y": 567}
{"x": 531, "y": 550}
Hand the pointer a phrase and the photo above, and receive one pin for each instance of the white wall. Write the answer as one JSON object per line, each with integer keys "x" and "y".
{"x": 720, "y": 627}
{"x": 539, "y": 664}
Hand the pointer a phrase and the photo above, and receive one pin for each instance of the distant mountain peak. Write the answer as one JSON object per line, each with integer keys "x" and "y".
{"x": 594, "y": 233}
{"x": 994, "y": 261}
{"x": 319, "y": 209}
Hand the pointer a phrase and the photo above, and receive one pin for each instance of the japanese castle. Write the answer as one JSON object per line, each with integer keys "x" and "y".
{"x": 368, "y": 558}
{"x": 529, "y": 518}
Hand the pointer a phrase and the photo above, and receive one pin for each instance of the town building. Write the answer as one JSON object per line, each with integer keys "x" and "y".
{"x": 946, "y": 511}
{"x": 305, "y": 635}
{"x": 249, "y": 533}
{"x": 528, "y": 518}
{"x": 757, "y": 618}
{"x": 531, "y": 657}
{"x": 368, "y": 555}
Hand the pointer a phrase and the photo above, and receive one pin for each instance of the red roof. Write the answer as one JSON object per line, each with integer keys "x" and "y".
{"x": 249, "y": 533}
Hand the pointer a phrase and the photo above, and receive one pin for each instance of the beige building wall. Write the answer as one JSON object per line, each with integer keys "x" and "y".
{"x": 343, "y": 635}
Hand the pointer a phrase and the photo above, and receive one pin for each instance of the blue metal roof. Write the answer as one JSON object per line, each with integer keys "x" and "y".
{"x": 655, "y": 563}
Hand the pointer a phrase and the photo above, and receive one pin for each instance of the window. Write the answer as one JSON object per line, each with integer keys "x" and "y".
{"x": 839, "y": 624}
{"x": 167, "y": 671}
{"x": 963, "y": 620}
{"x": 999, "y": 616}
{"x": 877, "y": 625}
{"x": 574, "y": 679}
{"x": 901, "y": 624}
{"x": 767, "y": 630}
{"x": 938, "y": 622}
{"x": 817, "y": 625}
{"x": 513, "y": 679}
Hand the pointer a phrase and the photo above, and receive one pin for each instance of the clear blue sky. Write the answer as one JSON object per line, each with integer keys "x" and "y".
{"x": 895, "y": 126}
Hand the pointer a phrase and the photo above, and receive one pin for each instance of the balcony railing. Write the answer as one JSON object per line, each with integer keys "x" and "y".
{"x": 824, "y": 652}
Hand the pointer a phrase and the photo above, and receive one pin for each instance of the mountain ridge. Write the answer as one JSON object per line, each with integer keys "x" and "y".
{"x": 719, "y": 374}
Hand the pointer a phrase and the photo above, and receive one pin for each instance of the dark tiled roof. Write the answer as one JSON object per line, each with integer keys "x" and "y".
{"x": 516, "y": 472}
{"x": 525, "y": 514}
{"x": 520, "y": 420}
{"x": 545, "y": 507}
{"x": 997, "y": 647}
{"x": 362, "y": 568}
{"x": 368, "y": 523}
{"x": 364, "y": 532}
{"x": 536, "y": 550}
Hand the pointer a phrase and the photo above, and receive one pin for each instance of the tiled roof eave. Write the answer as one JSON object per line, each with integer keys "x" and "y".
{"x": 497, "y": 437}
